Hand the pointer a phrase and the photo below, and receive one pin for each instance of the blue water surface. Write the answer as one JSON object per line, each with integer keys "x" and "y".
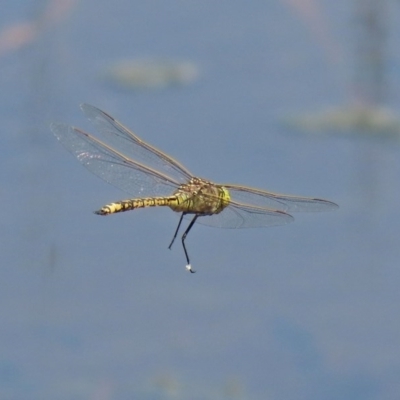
{"x": 99, "y": 308}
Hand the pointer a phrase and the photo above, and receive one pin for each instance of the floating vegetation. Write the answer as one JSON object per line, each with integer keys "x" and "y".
{"x": 151, "y": 74}
{"x": 372, "y": 120}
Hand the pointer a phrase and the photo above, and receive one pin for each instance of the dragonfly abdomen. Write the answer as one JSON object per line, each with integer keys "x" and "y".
{"x": 132, "y": 204}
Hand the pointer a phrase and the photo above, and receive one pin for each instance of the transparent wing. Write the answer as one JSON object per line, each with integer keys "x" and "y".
{"x": 112, "y": 166}
{"x": 275, "y": 201}
{"x": 123, "y": 140}
{"x": 238, "y": 215}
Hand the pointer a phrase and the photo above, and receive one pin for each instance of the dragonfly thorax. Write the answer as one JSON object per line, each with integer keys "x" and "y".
{"x": 202, "y": 197}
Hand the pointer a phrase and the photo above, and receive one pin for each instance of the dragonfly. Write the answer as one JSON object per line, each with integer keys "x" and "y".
{"x": 155, "y": 179}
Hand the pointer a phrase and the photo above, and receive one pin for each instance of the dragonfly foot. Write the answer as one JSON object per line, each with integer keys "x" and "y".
{"x": 189, "y": 268}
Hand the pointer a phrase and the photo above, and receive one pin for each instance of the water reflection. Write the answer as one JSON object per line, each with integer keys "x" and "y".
{"x": 20, "y": 34}
{"x": 367, "y": 112}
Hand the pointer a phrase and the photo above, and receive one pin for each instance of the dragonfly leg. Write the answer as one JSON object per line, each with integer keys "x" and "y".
{"x": 188, "y": 266}
{"x": 176, "y": 231}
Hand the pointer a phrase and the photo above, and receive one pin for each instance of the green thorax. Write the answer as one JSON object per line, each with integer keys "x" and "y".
{"x": 200, "y": 197}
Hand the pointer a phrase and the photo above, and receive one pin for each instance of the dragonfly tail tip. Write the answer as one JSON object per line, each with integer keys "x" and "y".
{"x": 100, "y": 212}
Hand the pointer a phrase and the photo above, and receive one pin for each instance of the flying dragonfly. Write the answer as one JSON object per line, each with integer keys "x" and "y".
{"x": 155, "y": 179}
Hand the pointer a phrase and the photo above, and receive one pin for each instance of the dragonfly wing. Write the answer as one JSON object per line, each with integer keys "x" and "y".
{"x": 112, "y": 166}
{"x": 275, "y": 201}
{"x": 122, "y": 139}
{"x": 244, "y": 216}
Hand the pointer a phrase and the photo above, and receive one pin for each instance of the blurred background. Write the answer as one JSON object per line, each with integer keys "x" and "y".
{"x": 294, "y": 96}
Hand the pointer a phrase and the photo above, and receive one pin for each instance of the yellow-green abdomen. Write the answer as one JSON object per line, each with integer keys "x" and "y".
{"x": 131, "y": 204}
